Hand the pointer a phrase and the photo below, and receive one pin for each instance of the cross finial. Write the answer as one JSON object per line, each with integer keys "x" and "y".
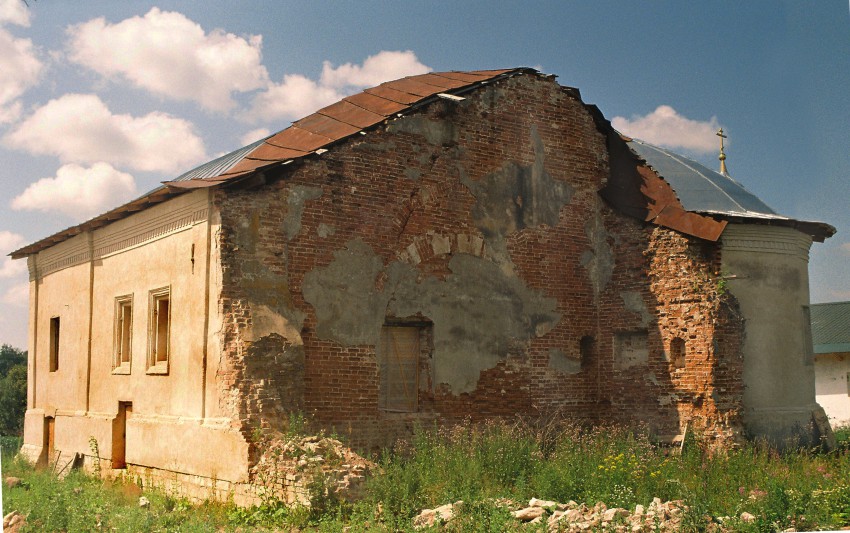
{"x": 722, "y": 156}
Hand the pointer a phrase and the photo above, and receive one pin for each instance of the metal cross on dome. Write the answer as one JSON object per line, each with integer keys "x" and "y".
{"x": 722, "y": 156}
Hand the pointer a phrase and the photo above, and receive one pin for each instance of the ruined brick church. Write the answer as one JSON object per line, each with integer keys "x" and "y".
{"x": 450, "y": 246}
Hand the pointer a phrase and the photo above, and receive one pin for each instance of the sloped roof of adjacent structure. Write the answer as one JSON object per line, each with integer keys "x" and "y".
{"x": 702, "y": 190}
{"x": 354, "y": 115}
{"x": 830, "y": 327}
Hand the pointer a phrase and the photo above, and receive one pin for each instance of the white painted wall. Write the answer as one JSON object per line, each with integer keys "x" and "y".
{"x": 831, "y": 387}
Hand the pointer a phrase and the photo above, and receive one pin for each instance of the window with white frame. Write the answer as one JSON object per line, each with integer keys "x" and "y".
{"x": 123, "y": 343}
{"x": 159, "y": 326}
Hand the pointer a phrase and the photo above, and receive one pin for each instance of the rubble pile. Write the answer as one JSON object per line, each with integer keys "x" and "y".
{"x": 301, "y": 468}
{"x": 574, "y": 517}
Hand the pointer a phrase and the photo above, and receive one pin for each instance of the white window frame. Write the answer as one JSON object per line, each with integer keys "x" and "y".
{"x": 122, "y": 346}
{"x": 158, "y": 328}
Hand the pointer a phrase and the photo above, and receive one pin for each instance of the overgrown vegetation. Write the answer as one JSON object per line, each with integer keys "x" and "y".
{"x": 480, "y": 465}
{"x": 13, "y": 390}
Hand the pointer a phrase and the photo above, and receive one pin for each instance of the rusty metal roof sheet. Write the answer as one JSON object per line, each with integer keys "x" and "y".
{"x": 314, "y": 132}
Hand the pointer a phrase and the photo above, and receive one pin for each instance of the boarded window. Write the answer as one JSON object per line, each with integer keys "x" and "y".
{"x": 677, "y": 352}
{"x": 123, "y": 333}
{"x": 54, "y": 344}
{"x": 399, "y": 354}
{"x": 630, "y": 349}
{"x": 159, "y": 331}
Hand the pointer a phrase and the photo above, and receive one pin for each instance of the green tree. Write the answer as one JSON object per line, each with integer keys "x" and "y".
{"x": 9, "y": 357}
{"x": 13, "y": 390}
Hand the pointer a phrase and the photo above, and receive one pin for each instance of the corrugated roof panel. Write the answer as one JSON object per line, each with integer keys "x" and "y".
{"x": 830, "y": 327}
{"x": 298, "y": 139}
{"x": 697, "y": 187}
{"x": 251, "y": 164}
{"x": 351, "y": 114}
{"x": 270, "y": 152}
{"x": 375, "y": 104}
{"x": 326, "y": 126}
{"x": 219, "y": 165}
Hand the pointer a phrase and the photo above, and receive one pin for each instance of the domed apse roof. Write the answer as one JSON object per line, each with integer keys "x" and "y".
{"x": 702, "y": 190}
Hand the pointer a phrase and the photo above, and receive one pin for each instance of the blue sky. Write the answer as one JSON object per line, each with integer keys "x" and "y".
{"x": 102, "y": 100}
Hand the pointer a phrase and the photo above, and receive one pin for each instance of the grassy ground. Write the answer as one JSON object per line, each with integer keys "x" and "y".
{"x": 803, "y": 489}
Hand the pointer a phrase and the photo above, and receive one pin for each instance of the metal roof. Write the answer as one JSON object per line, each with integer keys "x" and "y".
{"x": 702, "y": 190}
{"x": 313, "y": 134}
{"x": 351, "y": 115}
{"x": 830, "y": 327}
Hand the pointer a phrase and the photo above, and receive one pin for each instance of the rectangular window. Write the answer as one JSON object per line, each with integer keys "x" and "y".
{"x": 123, "y": 334}
{"x": 54, "y": 344}
{"x": 158, "y": 332}
{"x": 400, "y": 354}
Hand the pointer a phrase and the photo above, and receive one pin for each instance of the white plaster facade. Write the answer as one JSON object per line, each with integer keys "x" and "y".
{"x": 833, "y": 387}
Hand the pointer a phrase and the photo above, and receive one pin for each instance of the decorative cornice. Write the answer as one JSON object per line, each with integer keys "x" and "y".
{"x": 765, "y": 239}
{"x": 108, "y": 241}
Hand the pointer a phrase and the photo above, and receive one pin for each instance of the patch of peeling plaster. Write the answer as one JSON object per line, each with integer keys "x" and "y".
{"x": 516, "y": 197}
{"x": 477, "y": 311}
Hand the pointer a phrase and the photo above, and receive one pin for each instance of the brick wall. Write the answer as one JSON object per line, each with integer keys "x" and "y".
{"x": 481, "y": 179}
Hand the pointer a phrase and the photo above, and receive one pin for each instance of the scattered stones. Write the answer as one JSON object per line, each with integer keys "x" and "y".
{"x": 144, "y": 502}
{"x": 13, "y": 522}
{"x": 573, "y": 517}
{"x": 429, "y": 517}
{"x": 747, "y": 517}
{"x": 12, "y": 482}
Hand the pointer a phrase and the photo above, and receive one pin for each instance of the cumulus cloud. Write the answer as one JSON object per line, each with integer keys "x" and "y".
{"x": 376, "y": 69}
{"x": 297, "y": 96}
{"x": 79, "y": 128}
{"x": 20, "y": 69}
{"x": 170, "y": 55}
{"x": 14, "y": 12}
{"x": 666, "y": 127}
{"x": 254, "y": 135}
{"x": 78, "y": 192}
{"x": 9, "y": 242}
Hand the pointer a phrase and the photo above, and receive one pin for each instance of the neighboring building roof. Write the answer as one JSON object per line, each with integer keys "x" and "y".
{"x": 830, "y": 327}
{"x": 702, "y": 190}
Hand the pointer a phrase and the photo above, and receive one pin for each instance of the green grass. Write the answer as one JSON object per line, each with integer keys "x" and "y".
{"x": 621, "y": 467}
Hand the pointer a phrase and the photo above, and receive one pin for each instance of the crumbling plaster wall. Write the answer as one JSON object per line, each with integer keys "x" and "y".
{"x": 483, "y": 218}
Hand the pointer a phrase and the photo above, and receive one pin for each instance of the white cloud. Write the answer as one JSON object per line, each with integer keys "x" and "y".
{"x": 20, "y": 70}
{"x": 254, "y": 135}
{"x": 79, "y": 128}
{"x": 14, "y": 12}
{"x": 9, "y": 242}
{"x": 78, "y": 192}
{"x": 297, "y": 95}
{"x": 666, "y": 127}
{"x": 376, "y": 69}
{"x": 18, "y": 294}
{"x": 845, "y": 247}
{"x": 170, "y": 55}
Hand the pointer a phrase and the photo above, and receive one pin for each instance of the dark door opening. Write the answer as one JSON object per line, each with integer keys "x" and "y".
{"x": 119, "y": 435}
